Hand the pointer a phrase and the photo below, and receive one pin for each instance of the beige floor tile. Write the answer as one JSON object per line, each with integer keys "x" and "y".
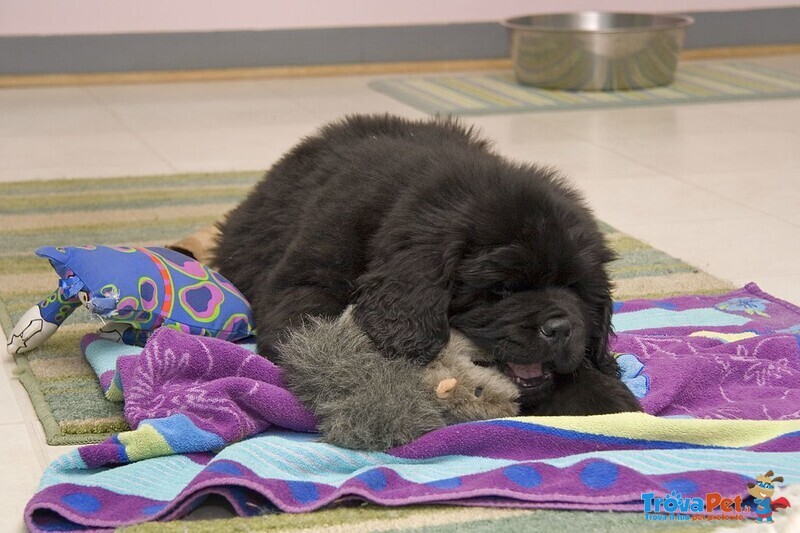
{"x": 55, "y": 97}
{"x": 735, "y": 151}
{"x": 18, "y": 402}
{"x": 325, "y": 99}
{"x": 148, "y": 167}
{"x": 199, "y": 113}
{"x": 631, "y": 201}
{"x": 652, "y": 123}
{"x": 21, "y": 473}
{"x": 530, "y": 128}
{"x": 57, "y": 119}
{"x": 180, "y": 92}
{"x": 68, "y": 155}
{"x": 781, "y": 114}
{"x": 227, "y": 148}
{"x": 775, "y": 191}
{"x": 10, "y": 410}
{"x": 580, "y": 161}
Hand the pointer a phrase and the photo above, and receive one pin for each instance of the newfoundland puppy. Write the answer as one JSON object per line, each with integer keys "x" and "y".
{"x": 423, "y": 227}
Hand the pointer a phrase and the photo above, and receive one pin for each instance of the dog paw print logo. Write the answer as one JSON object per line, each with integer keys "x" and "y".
{"x": 762, "y": 491}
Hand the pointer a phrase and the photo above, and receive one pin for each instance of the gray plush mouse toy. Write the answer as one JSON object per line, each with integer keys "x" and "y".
{"x": 367, "y": 401}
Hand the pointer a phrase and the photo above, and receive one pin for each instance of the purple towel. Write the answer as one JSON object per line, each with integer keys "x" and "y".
{"x": 735, "y": 356}
{"x": 185, "y": 393}
{"x": 222, "y": 387}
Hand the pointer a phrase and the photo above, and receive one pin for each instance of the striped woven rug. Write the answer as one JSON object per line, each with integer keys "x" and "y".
{"x": 480, "y": 94}
{"x": 161, "y": 209}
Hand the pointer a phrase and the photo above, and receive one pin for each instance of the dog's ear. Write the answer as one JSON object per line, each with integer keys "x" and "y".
{"x": 402, "y": 301}
{"x": 598, "y": 338}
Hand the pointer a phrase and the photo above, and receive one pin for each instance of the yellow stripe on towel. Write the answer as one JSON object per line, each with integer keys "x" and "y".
{"x": 727, "y": 433}
{"x": 144, "y": 442}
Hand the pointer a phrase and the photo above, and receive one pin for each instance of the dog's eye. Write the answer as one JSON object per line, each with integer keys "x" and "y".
{"x": 499, "y": 289}
{"x": 506, "y": 288}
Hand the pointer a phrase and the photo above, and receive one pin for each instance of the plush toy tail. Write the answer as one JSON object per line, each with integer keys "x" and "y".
{"x": 40, "y": 321}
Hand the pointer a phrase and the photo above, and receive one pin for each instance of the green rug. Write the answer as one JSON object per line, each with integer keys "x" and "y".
{"x": 431, "y": 519}
{"x": 155, "y": 211}
{"x": 481, "y": 94}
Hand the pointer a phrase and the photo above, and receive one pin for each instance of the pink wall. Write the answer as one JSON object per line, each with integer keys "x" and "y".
{"x": 43, "y": 17}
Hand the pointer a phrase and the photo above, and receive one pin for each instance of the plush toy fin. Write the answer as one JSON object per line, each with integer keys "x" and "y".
{"x": 40, "y": 321}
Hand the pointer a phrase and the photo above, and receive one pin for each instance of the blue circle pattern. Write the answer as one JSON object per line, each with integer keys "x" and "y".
{"x": 445, "y": 484}
{"x": 686, "y": 487}
{"x": 523, "y": 475}
{"x": 153, "y": 509}
{"x": 82, "y": 502}
{"x": 303, "y": 491}
{"x": 374, "y": 479}
{"x": 224, "y": 467}
{"x": 599, "y": 474}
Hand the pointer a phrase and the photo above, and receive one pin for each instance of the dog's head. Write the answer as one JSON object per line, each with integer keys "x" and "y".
{"x": 536, "y": 318}
{"x": 520, "y": 271}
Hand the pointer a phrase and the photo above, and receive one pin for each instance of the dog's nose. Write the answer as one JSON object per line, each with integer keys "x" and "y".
{"x": 556, "y": 330}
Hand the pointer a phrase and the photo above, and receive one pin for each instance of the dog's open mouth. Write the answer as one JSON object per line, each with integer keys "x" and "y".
{"x": 528, "y": 376}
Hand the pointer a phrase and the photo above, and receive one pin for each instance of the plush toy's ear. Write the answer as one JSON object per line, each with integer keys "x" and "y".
{"x": 402, "y": 301}
{"x": 445, "y": 388}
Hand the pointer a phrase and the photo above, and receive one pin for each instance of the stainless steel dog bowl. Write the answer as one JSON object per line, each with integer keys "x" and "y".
{"x": 593, "y": 50}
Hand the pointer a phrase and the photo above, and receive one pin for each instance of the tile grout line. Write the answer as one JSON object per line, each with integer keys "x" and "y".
{"x": 130, "y": 129}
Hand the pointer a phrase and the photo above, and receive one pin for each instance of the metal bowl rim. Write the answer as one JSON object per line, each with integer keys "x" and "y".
{"x": 678, "y": 21}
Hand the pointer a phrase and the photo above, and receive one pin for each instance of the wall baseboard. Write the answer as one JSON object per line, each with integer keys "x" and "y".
{"x": 140, "y": 58}
{"x": 405, "y": 67}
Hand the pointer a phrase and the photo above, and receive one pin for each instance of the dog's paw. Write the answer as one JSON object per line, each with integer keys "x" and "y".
{"x": 587, "y": 392}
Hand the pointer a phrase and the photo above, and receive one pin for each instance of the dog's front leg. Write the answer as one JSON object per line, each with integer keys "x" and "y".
{"x": 588, "y": 391}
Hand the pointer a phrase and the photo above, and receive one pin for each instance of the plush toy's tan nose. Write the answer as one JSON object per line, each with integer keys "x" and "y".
{"x": 445, "y": 387}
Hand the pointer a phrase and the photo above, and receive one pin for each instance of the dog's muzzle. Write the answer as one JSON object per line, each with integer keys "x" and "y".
{"x": 534, "y": 381}
{"x": 556, "y": 331}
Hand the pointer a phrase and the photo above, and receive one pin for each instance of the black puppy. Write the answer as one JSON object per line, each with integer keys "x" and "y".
{"x": 424, "y": 228}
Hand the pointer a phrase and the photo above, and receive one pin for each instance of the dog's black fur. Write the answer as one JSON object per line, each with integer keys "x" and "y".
{"x": 424, "y": 228}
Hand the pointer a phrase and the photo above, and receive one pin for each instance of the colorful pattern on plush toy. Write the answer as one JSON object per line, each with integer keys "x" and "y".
{"x": 151, "y": 287}
{"x": 57, "y": 306}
